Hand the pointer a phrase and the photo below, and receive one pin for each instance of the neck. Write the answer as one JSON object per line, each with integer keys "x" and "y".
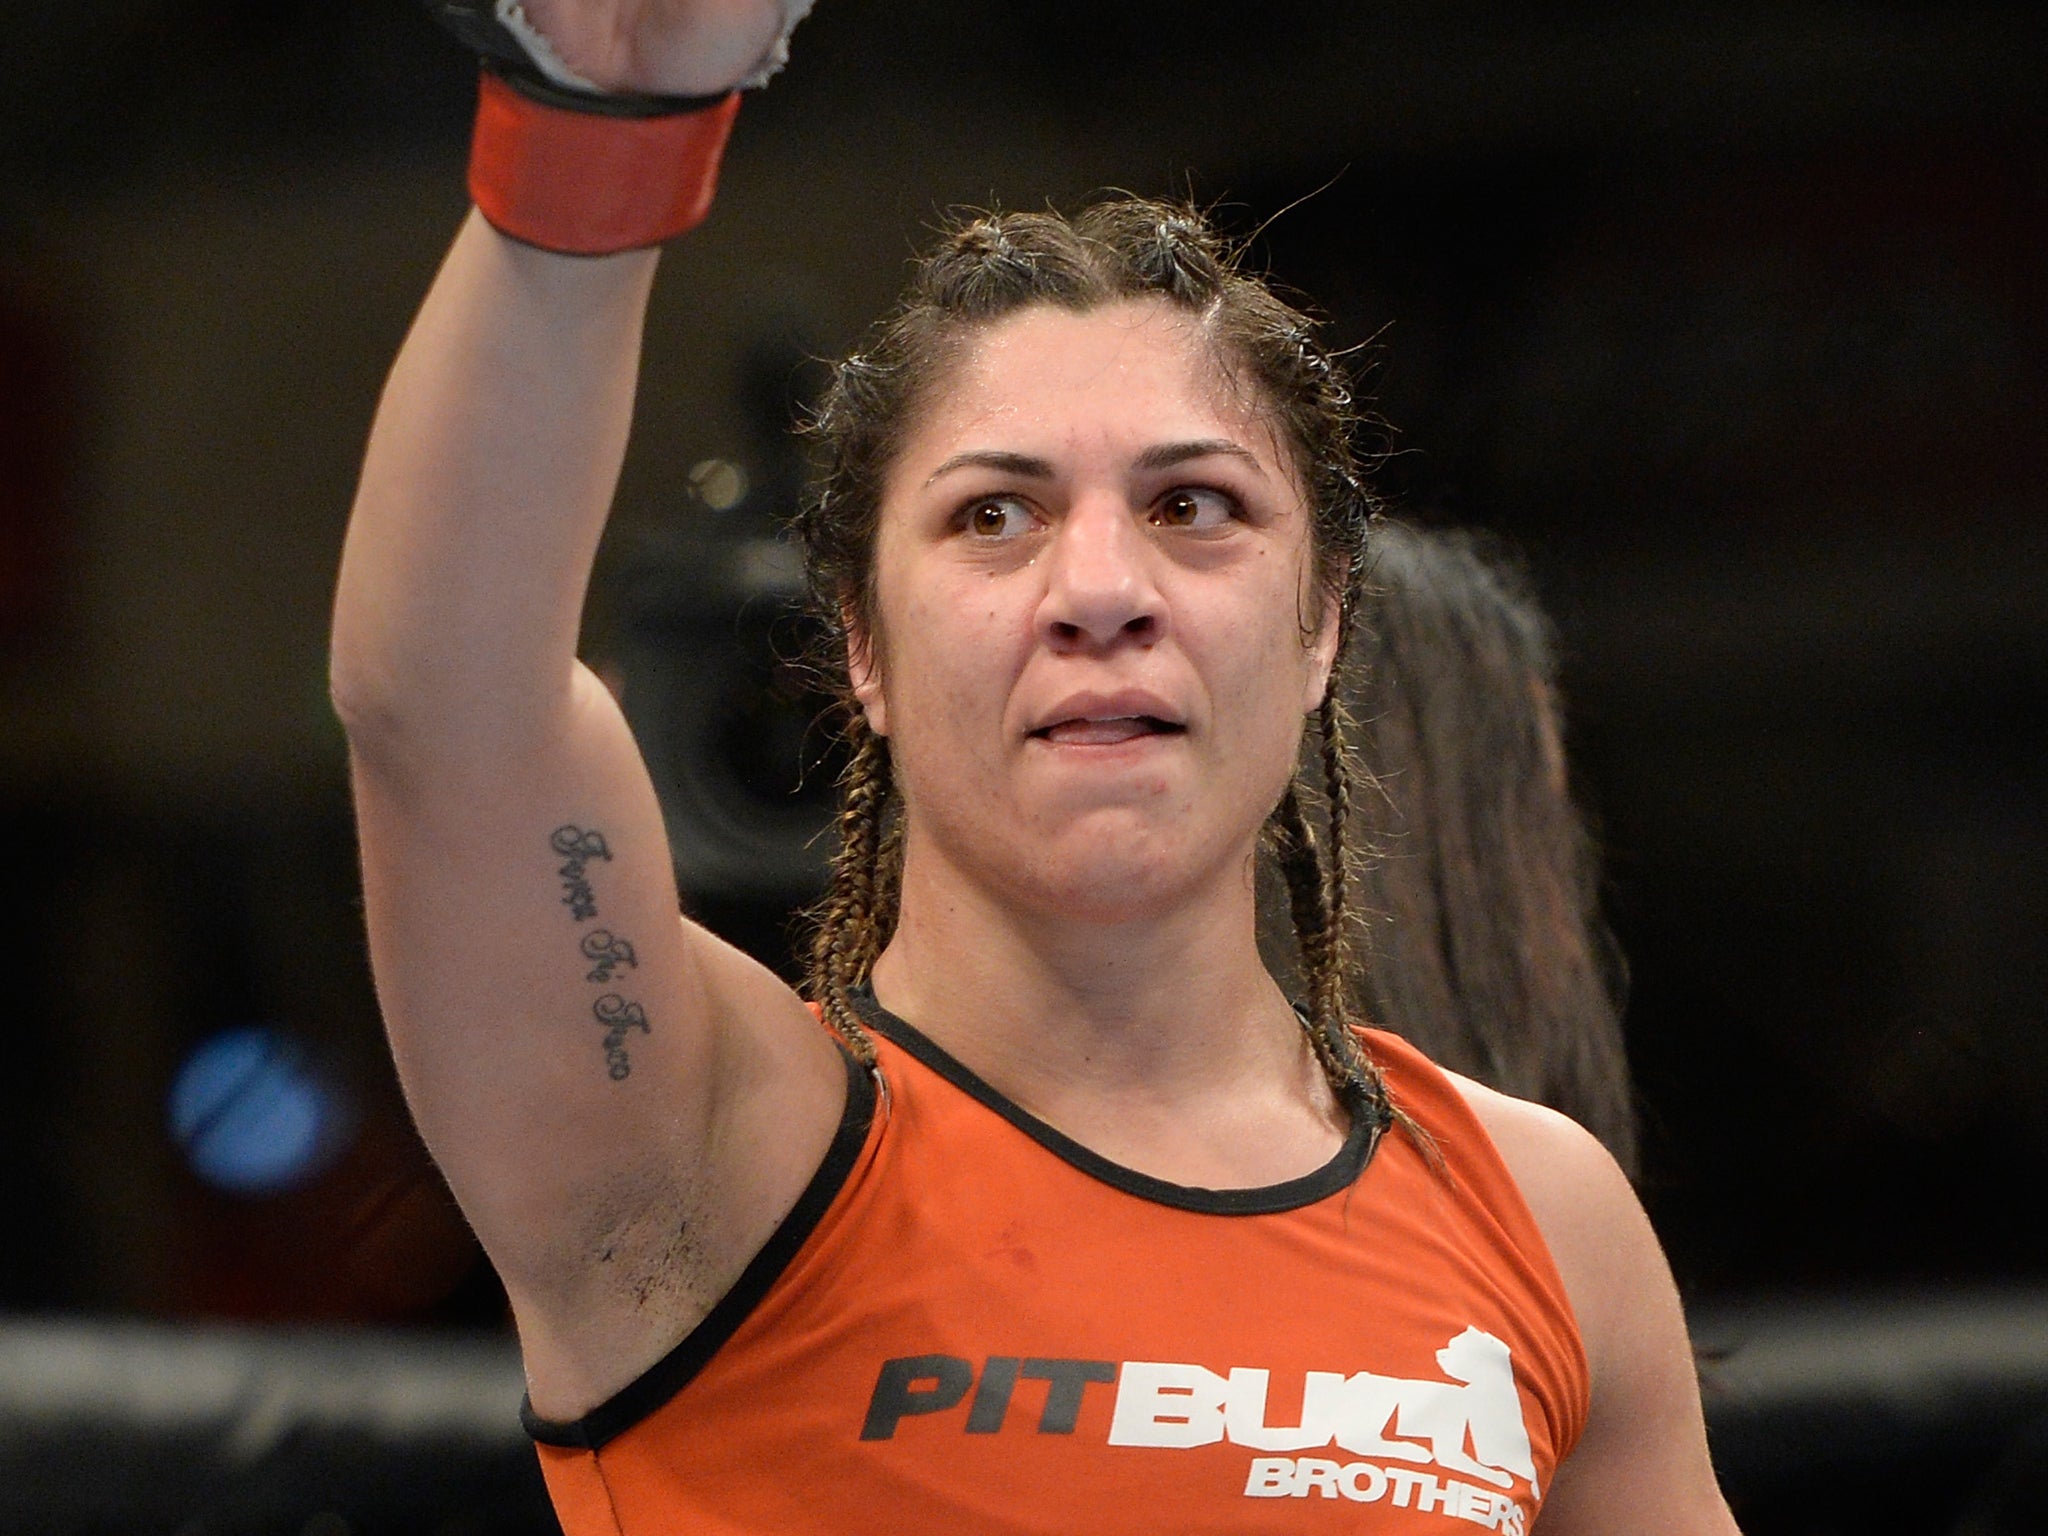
{"x": 1160, "y": 1043}
{"x": 1047, "y": 1006}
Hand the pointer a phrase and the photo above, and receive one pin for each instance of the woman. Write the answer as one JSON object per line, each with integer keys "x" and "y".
{"x": 1481, "y": 897}
{"x": 1109, "y": 1237}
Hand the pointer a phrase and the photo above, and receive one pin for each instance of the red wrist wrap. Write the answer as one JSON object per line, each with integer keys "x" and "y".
{"x": 586, "y": 184}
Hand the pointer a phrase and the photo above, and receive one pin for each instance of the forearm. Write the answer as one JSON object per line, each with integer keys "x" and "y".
{"x": 490, "y": 469}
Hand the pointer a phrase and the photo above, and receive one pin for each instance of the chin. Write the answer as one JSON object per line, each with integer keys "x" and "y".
{"x": 1113, "y": 876}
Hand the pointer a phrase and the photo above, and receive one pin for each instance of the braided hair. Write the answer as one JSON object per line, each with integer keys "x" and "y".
{"x": 984, "y": 268}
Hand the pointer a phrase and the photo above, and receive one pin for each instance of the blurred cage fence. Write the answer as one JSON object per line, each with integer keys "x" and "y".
{"x": 1899, "y": 1413}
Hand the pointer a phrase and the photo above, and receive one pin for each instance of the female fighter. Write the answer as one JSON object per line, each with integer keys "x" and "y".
{"x": 1049, "y": 1212}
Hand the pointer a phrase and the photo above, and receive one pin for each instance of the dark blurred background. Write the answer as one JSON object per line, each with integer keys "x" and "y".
{"x": 1735, "y": 322}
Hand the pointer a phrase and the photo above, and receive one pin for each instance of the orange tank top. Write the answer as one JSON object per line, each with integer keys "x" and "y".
{"x": 971, "y": 1323}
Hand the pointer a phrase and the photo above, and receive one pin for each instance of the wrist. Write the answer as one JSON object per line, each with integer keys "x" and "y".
{"x": 585, "y": 174}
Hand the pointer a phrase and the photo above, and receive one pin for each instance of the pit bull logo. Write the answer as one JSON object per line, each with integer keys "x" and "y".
{"x": 1470, "y": 1423}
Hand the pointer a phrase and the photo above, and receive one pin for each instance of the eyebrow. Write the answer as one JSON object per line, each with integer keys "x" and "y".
{"x": 1162, "y": 456}
{"x": 995, "y": 458}
{"x": 1166, "y": 455}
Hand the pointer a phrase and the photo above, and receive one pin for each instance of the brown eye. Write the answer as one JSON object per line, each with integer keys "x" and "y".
{"x": 998, "y": 517}
{"x": 1193, "y": 507}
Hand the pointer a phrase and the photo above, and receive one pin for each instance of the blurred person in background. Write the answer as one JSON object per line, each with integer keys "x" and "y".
{"x": 1479, "y": 891}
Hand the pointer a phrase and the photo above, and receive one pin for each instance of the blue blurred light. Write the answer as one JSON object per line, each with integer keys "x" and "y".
{"x": 251, "y": 1116}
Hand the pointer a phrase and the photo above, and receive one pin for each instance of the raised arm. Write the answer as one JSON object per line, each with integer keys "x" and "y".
{"x": 623, "y": 1105}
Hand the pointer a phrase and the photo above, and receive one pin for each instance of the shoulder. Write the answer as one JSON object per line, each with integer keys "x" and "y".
{"x": 1597, "y": 1232}
{"x": 1565, "y": 1177}
{"x": 1578, "y": 1194}
{"x": 1642, "y": 1462}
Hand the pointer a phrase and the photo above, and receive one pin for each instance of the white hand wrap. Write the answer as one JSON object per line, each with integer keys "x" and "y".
{"x": 511, "y": 15}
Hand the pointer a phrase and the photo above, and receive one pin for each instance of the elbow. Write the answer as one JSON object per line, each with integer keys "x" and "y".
{"x": 363, "y": 685}
{"x": 368, "y": 701}
{"x": 405, "y": 713}
{"x": 390, "y": 703}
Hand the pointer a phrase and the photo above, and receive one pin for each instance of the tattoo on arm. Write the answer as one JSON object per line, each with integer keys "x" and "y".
{"x": 579, "y": 849}
{"x": 607, "y": 952}
{"x": 618, "y": 1016}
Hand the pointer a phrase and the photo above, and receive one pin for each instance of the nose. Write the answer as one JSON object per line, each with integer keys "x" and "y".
{"x": 1100, "y": 589}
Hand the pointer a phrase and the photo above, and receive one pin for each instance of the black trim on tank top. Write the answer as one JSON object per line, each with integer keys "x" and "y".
{"x": 661, "y": 1381}
{"x": 1368, "y": 1120}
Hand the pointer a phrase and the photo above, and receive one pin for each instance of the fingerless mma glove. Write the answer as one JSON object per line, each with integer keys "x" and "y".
{"x": 558, "y": 164}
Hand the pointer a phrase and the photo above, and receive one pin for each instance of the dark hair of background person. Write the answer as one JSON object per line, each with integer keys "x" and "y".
{"x": 1480, "y": 890}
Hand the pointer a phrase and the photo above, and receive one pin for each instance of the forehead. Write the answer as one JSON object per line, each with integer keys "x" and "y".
{"x": 1054, "y": 382}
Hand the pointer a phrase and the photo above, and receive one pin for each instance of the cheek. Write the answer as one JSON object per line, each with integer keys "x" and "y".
{"x": 1269, "y": 658}
{"x": 949, "y": 654}
{"x": 1262, "y": 682}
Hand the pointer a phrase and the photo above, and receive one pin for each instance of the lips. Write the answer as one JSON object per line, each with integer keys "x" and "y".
{"x": 1106, "y": 733}
{"x": 1108, "y": 720}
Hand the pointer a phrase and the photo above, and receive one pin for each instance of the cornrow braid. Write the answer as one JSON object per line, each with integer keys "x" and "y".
{"x": 1301, "y": 865}
{"x": 1335, "y": 752}
{"x": 1339, "y": 760}
{"x": 845, "y": 940}
{"x": 888, "y": 873}
{"x": 1340, "y": 764}
{"x": 1333, "y": 727}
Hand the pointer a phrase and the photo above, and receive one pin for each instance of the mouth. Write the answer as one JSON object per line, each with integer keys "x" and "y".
{"x": 1106, "y": 731}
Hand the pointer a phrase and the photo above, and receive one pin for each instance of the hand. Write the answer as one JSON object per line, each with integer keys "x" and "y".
{"x": 664, "y": 47}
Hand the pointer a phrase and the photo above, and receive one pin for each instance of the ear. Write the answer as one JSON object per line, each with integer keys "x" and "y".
{"x": 1322, "y": 655}
{"x": 865, "y": 671}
